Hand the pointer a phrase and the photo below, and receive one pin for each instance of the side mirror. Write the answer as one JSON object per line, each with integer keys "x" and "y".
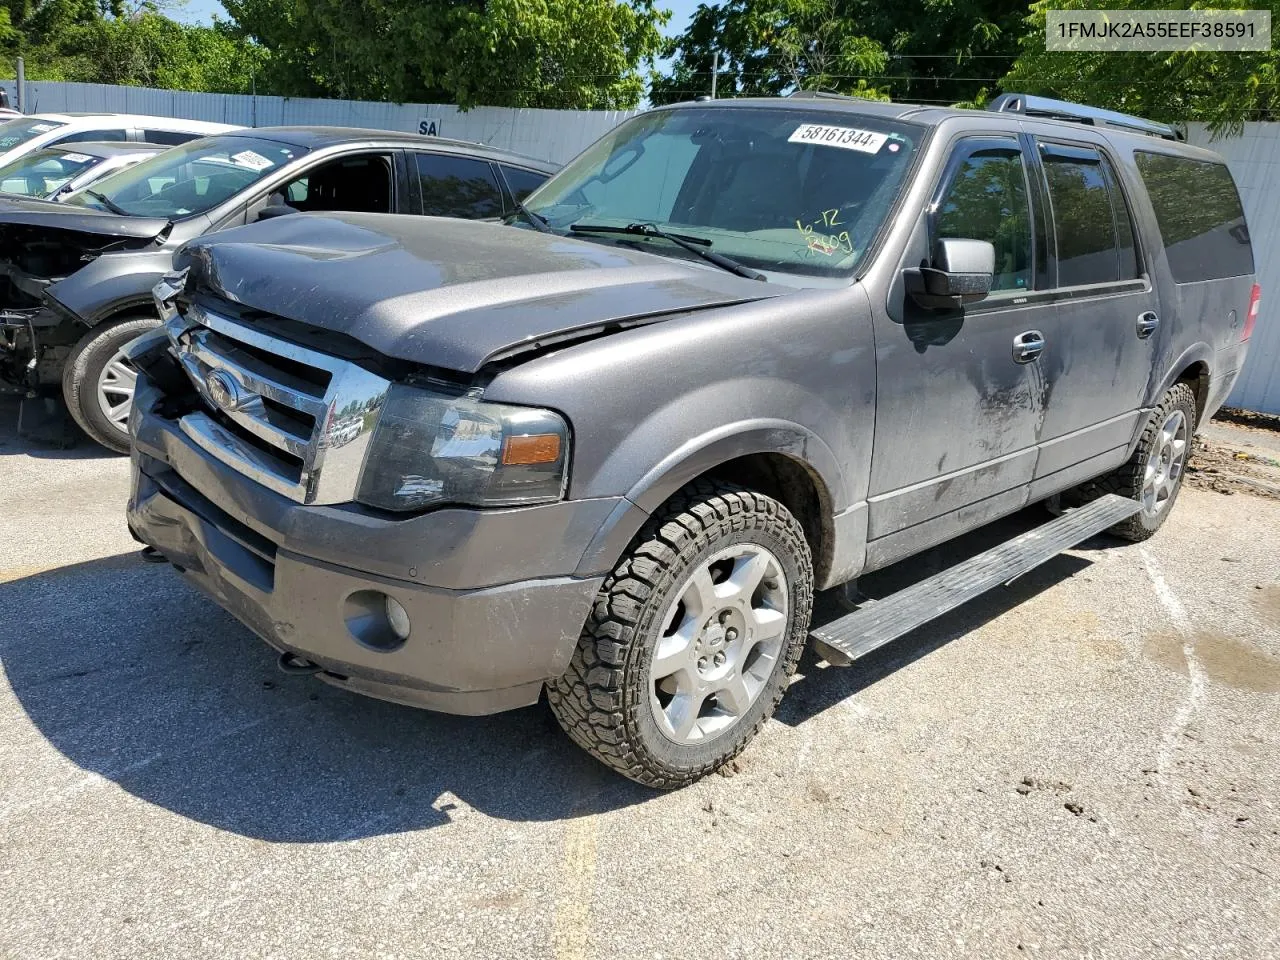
{"x": 959, "y": 272}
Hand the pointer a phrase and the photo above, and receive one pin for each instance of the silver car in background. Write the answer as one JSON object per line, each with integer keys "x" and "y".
{"x": 57, "y": 172}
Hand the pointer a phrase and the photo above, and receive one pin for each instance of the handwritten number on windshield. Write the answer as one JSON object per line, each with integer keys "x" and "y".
{"x": 826, "y": 241}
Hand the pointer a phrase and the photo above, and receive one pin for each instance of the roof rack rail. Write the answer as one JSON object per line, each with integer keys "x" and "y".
{"x": 821, "y": 95}
{"x": 1079, "y": 113}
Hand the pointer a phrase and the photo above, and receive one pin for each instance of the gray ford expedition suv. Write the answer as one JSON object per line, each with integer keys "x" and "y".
{"x": 735, "y": 353}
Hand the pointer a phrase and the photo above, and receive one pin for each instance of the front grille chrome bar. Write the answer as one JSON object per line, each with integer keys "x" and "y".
{"x": 293, "y": 419}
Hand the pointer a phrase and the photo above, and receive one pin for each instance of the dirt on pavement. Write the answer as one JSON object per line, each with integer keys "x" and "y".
{"x": 1238, "y": 452}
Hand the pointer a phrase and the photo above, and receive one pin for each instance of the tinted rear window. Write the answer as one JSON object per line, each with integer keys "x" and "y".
{"x": 1200, "y": 217}
{"x": 458, "y": 187}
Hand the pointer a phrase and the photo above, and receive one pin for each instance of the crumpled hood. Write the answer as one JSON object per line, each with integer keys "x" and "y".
{"x": 20, "y": 211}
{"x": 449, "y": 293}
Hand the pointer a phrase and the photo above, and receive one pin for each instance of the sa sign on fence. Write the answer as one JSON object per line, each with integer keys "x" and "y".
{"x": 429, "y": 127}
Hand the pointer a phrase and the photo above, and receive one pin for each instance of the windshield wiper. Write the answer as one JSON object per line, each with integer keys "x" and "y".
{"x": 110, "y": 204}
{"x": 695, "y": 245}
{"x": 538, "y": 221}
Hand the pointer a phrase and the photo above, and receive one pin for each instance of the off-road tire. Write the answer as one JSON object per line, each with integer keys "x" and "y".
{"x": 1126, "y": 480}
{"x": 602, "y": 700}
{"x": 83, "y": 368}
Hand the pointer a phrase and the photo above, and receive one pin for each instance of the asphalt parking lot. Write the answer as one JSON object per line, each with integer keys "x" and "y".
{"x": 1083, "y": 764}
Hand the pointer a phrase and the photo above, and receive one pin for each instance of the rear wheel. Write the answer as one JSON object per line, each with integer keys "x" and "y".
{"x": 693, "y": 637}
{"x": 1153, "y": 475}
{"x": 98, "y": 382}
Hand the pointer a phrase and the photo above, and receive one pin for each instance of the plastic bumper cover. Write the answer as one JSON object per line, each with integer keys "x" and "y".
{"x": 470, "y": 649}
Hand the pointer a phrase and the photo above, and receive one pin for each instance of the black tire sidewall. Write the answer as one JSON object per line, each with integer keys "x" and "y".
{"x": 1178, "y": 398}
{"x": 84, "y": 368}
{"x": 638, "y": 714}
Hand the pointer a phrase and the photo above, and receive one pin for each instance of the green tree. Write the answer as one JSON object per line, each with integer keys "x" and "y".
{"x": 153, "y": 51}
{"x": 119, "y": 42}
{"x": 923, "y": 50}
{"x": 584, "y": 54}
{"x": 1223, "y": 89}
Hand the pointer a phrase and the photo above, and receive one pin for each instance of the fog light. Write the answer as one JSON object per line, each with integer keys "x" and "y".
{"x": 398, "y": 617}
{"x": 376, "y": 620}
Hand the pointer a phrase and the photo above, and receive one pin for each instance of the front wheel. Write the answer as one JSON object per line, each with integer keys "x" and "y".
{"x": 692, "y": 639}
{"x": 98, "y": 382}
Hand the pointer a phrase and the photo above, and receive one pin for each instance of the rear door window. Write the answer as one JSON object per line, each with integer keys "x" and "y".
{"x": 1200, "y": 217}
{"x": 1126, "y": 237}
{"x": 458, "y": 187}
{"x": 986, "y": 199}
{"x": 522, "y": 182}
{"x": 1090, "y": 218}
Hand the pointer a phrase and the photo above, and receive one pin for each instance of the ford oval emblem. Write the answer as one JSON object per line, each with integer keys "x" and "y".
{"x": 223, "y": 390}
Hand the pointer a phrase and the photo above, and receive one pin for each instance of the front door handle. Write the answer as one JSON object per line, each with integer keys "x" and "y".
{"x": 1027, "y": 346}
{"x": 1147, "y": 323}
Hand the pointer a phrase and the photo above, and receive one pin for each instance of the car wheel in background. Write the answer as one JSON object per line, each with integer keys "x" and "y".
{"x": 98, "y": 382}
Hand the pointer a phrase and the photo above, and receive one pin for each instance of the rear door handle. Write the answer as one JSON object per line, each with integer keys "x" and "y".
{"x": 1027, "y": 346}
{"x": 1147, "y": 323}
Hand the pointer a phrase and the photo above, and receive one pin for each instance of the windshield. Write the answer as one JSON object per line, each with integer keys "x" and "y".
{"x": 797, "y": 191}
{"x": 189, "y": 179}
{"x": 19, "y": 131}
{"x": 44, "y": 172}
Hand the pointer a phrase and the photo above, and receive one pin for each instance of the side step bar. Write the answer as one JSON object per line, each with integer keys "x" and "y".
{"x": 857, "y": 634}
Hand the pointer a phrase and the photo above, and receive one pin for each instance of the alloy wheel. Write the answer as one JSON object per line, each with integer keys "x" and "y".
{"x": 1165, "y": 464}
{"x": 722, "y": 635}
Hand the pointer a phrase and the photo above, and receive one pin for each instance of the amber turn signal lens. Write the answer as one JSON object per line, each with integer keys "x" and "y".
{"x": 532, "y": 448}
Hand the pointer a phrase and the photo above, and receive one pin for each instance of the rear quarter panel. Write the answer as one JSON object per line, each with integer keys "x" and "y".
{"x": 1201, "y": 322}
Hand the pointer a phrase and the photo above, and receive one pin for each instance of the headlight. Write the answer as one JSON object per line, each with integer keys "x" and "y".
{"x": 166, "y": 291}
{"x": 431, "y": 448}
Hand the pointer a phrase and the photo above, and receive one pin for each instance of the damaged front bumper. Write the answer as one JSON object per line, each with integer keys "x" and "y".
{"x": 491, "y": 602}
{"x": 24, "y": 342}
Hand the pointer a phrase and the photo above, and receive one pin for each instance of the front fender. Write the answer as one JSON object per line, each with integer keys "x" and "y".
{"x": 111, "y": 284}
{"x": 694, "y": 458}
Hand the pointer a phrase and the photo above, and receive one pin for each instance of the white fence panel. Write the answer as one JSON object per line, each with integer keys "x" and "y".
{"x": 555, "y": 135}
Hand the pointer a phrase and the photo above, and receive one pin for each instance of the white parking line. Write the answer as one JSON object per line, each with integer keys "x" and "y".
{"x": 1197, "y": 678}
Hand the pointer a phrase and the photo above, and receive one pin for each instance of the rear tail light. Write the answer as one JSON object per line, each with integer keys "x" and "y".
{"x": 1250, "y": 318}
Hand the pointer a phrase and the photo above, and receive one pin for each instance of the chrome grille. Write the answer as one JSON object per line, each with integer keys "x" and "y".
{"x": 293, "y": 419}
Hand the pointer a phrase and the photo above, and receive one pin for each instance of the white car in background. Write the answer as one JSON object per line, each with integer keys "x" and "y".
{"x": 56, "y": 172}
{"x": 24, "y": 134}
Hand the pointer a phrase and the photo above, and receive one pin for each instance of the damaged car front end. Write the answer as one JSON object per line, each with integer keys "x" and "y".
{"x": 42, "y": 245}
{"x": 54, "y": 263}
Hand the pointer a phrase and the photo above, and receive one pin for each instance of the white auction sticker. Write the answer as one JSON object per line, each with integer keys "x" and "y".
{"x": 847, "y": 138}
{"x": 43, "y": 127}
{"x": 77, "y": 157}
{"x": 254, "y": 161}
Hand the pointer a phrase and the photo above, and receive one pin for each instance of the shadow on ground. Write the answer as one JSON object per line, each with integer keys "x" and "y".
{"x": 66, "y": 442}
{"x": 136, "y": 677}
